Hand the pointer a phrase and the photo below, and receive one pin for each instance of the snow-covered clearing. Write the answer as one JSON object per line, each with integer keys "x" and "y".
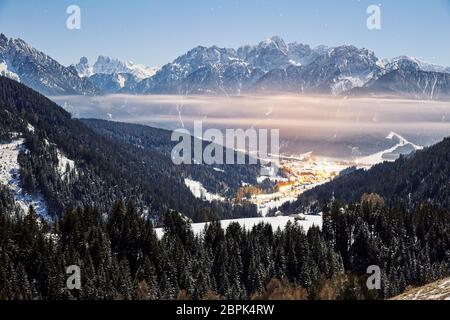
{"x": 10, "y": 176}
{"x": 200, "y": 192}
{"x": 249, "y": 223}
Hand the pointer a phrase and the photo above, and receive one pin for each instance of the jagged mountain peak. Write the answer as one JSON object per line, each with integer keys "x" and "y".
{"x": 84, "y": 60}
{"x": 39, "y": 71}
{"x": 206, "y": 55}
{"x": 403, "y": 64}
{"x": 83, "y": 68}
{"x": 3, "y": 42}
{"x": 274, "y": 42}
{"x": 344, "y": 51}
{"x": 111, "y": 66}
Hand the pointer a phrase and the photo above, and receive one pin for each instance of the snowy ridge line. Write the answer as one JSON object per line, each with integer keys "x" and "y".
{"x": 378, "y": 157}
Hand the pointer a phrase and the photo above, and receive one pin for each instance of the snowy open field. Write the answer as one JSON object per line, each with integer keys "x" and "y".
{"x": 248, "y": 223}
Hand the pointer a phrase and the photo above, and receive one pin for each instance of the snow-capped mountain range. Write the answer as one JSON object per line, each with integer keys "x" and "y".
{"x": 276, "y": 66}
{"x": 107, "y": 65}
{"x": 270, "y": 66}
{"x": 111, "y": 75}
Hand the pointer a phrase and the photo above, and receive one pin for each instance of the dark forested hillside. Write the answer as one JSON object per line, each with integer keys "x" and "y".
{"x": 220, "y": 179}
{"x": 414, "y": 179}
{"x": 105, "y": 169}
{"x": 121, "y": 257}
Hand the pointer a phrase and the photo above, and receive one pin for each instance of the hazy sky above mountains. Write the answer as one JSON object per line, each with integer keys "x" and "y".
{"x": 154, "y": 32}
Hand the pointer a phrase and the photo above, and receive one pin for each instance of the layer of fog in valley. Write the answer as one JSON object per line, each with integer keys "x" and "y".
{"x": 327, "y": 126}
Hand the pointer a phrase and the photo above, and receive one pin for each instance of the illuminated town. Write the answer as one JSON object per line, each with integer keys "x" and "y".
{"x": 297, "y": 175}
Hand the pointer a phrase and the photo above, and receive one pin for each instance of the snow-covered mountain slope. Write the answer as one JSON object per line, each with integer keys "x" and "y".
{"x": 114, "y": 83}
{"x": 439, "y": 290}
{"x": 110, "y": 65}
{"x": 201, "y": 70}
{"x": 10, "y": 177}
{"x": 274, "y": 53}
{"x": 391, "y": 64}
{"x": 405, "y": 78}
{"x": 83, "y": 68}
{"x": 334, "y": 71}
{"x": 39, "y": 71}
{"x": 401, "y": 147}
{"x": 110, "y": 75}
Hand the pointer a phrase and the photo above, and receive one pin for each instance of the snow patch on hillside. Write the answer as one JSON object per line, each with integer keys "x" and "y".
{"x": 65, "y": 165}
{"x": 30, "y": 128}
{"x": 8, "y": 73}
{"x": 200, "y": 192}
{"x": 10, "y": 176}
{"x": 380, "y": 157}
{"x": 249, "y": 223}
{"x": 121, "y": 80}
